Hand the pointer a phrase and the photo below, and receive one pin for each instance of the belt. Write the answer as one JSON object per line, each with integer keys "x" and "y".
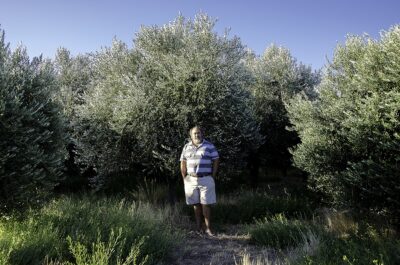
{"x": 199, "y": 175}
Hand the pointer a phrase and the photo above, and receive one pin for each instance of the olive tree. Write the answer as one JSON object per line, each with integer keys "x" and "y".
{"x": 73, "y": 76}
{"x": 277, "y": 78}
{"x": 350, "y": 142}
{"x": 31, "y": 128}
{"x": 146, "y": 98}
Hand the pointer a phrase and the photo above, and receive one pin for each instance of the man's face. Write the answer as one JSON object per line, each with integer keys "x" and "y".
{"x": 196, "y": 136}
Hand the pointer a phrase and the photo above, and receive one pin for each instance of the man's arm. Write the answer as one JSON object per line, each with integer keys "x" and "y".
{"x": 183, "y": 169}
{"x": 215, "y": 167}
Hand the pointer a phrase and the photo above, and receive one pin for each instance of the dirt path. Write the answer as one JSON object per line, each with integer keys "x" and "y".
{"x": 225, "y": 248}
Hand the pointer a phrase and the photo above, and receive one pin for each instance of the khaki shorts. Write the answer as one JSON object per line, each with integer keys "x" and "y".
{"x": 199, "y": 190}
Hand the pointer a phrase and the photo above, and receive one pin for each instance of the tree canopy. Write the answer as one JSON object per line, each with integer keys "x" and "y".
{"x": 350, "y": 142}
{"x": 146, "y": 98}
{"x": 32, "y": 141}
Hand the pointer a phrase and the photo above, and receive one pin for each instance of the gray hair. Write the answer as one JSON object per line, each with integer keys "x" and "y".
{"x": 196, "y": 127}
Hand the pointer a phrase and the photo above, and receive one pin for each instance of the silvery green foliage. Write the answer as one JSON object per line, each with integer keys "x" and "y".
{"x": 73, "y": 76}
{"x": 74, "y": 73}
{"x": 146, "y": 98}
{"x": 31, "y": 128}
{"x": 350, "y": 135}
{"x": 277, "y": 78}
{"x": 99, "y": 139}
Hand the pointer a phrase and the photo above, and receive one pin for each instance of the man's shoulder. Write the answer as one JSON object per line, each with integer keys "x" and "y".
{"x": 209, "y": 144}
{"x": 187, "y": 145}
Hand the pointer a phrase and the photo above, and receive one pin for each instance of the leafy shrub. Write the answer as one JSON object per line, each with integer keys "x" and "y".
{"x": 102, "y": 253}
{"x": 277, "y": 77}
{"x": 350, "y": 142}
{"x": 73, "y": 75}
{"x": 32, "y": 138}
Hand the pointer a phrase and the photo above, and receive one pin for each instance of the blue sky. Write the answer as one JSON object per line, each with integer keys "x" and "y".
{"x": 310, "y": 29}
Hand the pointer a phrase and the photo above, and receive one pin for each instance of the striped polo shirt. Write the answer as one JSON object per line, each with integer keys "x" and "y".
{"x": 199, "y": 159}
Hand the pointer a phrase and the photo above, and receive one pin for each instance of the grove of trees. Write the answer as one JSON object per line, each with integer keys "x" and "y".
{"x": 126, "y": 112}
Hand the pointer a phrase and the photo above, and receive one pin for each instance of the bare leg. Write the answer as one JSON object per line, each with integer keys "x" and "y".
{"x": 198, "y": 215}
{"x": 207, "y": 213}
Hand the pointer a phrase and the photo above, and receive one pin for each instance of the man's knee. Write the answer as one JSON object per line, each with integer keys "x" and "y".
{"x": 205, "y": 207}
{"x": 197, "y": 205}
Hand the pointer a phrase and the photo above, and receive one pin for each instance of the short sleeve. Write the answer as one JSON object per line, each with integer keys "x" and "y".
{"x": 213, "y": 152}
{"x": 183, "y": 158}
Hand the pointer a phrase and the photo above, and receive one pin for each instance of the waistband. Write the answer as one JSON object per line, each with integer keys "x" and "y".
{"x": 200, "y": 175}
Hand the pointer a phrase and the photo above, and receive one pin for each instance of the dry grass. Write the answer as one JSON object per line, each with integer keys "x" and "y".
{"x": 339, "y": 222}
{"x": 247, "y": 259}
{"x": 309, "y": 247}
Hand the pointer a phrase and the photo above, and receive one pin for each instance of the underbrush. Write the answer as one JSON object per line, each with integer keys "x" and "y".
{"x": 74, "y": 229}
{"x": 246, "y": 207}
{"x": 91, "y": 230}
{"x": 336, "y": 239}
{"x": 279, "y": 232}
{"x": 364, "y": 245}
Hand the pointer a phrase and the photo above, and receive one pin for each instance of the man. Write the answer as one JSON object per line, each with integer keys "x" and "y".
{"x": 199, "y": 166}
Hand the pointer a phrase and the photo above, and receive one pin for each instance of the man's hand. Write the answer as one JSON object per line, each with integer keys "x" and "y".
{"x": 215, "y": 168}
{"x": 183, "y": 169}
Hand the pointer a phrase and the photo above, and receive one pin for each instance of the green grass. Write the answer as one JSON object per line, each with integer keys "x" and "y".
{"x": 366, "y": 245}
{"x": 279, "y": 232}
{"x": 101, "y": 253}
{"x": 148, "y": 190}
{"x": 97, "y": 230}
{"x": 342, "y": 240}
{"x": 245, "y": 207}
{"x": 43, "y": 234}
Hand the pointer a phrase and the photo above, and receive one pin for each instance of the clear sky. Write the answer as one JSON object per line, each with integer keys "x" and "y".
{"x": 309, "y": 28}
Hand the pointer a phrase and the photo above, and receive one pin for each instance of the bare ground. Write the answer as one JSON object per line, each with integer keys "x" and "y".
{"x": 225, "y": 248}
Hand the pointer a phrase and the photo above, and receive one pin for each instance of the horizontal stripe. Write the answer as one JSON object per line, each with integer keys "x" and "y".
{"x": 199, "y": 166}
{"x": 200, "y": 171}
{"x": 198, "y": 156}
{"x": 204, "y": 154}
{"x": 212, "y": 149}
{"x": 213, "y": 154}
{"x": 199, "y": 161}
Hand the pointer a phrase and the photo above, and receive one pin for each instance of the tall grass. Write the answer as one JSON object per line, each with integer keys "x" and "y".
{"x": 246, "y": 259}
{"x": 89, "y": 230}
{"x": 279, "y": 232}
{"x": 347, "y": 241}
{"x": 43, "y": 234}
{"x": 334, "y": 239}
{"x": 150, "y": 191}
{"x": 247, "y": 206}
{"x": 28, "y": 241}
